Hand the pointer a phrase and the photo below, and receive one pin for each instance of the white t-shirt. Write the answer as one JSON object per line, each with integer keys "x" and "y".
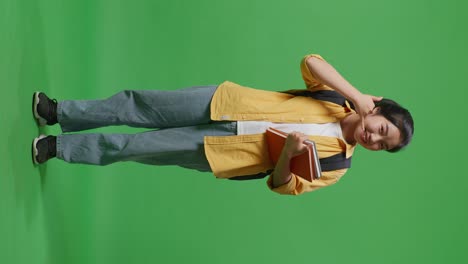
{"x": 258, "y": 127}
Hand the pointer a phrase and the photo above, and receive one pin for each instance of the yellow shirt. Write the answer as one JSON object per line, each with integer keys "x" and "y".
{"x": 231, "y": 156}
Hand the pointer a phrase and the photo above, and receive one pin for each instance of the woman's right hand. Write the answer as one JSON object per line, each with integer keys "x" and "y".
{"x": 364, "y": 104}
{"x": 294, "y": 144}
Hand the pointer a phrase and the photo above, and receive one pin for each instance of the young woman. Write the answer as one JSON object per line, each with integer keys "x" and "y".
{"x": 221, "y": 129}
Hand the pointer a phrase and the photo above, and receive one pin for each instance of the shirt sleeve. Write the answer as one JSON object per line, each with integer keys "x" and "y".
{"x": 298, "y": 185}
{"x": 311, "y": 82}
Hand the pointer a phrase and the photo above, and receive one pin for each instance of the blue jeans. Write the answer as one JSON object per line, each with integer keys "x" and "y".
{"x": 179, "y": 120}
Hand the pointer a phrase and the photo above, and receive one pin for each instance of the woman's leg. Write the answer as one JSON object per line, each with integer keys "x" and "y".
{"x": 139, "y": 108}
{"x": 181, "y": 146}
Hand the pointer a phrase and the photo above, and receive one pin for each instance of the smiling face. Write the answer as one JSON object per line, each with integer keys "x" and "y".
{"x": 379, "y": 133}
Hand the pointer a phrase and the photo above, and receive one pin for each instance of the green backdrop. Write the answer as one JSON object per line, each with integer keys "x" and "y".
{"x": 389, "y": 208}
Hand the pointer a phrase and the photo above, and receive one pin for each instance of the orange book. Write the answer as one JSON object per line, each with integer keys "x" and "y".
{"x": 305, "y": 165}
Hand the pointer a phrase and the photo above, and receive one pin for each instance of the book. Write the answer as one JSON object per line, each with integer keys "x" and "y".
{"x": 305, "y": 165}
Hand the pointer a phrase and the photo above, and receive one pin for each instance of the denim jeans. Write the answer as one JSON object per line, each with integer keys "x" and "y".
{"x": 178, "y": 121}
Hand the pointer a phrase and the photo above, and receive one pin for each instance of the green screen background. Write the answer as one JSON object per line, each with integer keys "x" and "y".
{"x": 389, "y": 208}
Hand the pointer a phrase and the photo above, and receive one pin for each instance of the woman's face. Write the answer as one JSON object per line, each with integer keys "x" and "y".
{"x": 378, "y": 133}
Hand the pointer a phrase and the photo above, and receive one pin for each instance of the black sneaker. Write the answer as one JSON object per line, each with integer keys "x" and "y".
{"x": 44, "y": 148}
{"x": 44, "y": 109}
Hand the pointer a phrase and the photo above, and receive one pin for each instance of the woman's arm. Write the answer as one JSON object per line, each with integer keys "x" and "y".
{"x": 327, "y": 74}
{"x": 293, "y": 147}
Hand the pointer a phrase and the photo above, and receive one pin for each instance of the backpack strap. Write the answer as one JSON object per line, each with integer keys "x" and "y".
{"x": 335, "y": 162}
{"x": 322, "y": 95}
{"x": 257, "y": 176}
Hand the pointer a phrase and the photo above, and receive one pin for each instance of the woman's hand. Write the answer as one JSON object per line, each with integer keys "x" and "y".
{"x": 327, "y": 74}
{"x": 293, "y": 147}
{"x": 294, "y": 144}
{"x": 364, "y": 104}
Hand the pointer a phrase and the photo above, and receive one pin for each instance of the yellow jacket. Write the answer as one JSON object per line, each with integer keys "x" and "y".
{"x": 231, "y": 156}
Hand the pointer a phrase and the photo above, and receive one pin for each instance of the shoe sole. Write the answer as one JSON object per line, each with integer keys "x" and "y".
{"x": 34, "y": 150}
{"x": 40, "y": 121}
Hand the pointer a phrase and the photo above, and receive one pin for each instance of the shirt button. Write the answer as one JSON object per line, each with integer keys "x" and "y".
{"x": 302, "y": 119}
{"x": 244, "y": 117}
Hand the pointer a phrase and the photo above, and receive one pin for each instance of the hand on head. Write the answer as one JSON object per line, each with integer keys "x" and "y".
{"x": 364, "y": 105}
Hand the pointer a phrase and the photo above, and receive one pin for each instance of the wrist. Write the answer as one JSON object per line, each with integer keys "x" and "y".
{"x": 354, "y": 96}
{"x": 286, "y": 154}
